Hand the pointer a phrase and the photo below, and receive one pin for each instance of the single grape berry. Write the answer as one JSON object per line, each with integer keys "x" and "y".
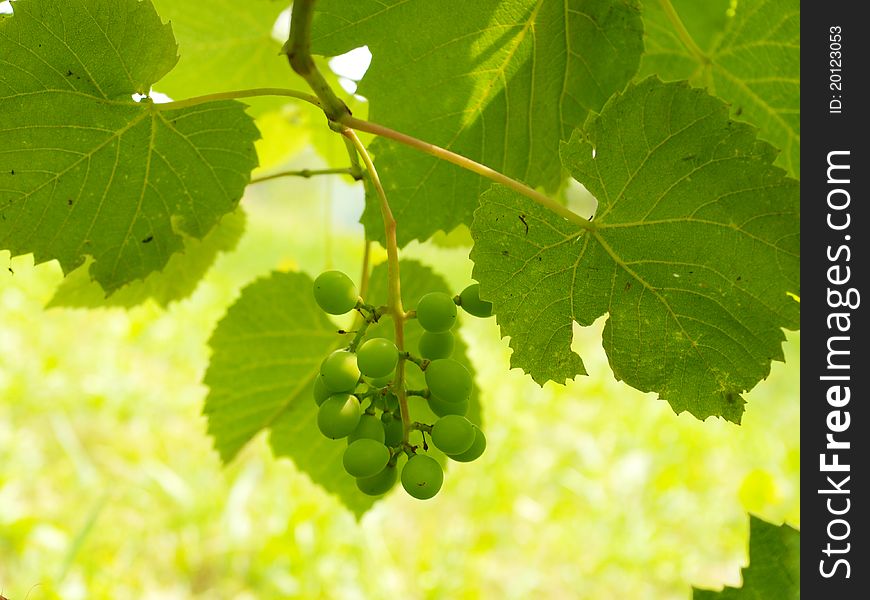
{"x": 393, "y": 430}
{"x": 469, "y": 300}
{"x": 338, "y": 416}
{"x": 436, "y": 312}
{"x": 435, "y": 345}
{"x": 422, "y": 476}
{"x": 391, "y": 402}
{"x": 369, "y": 427}
{"x": 442, "y": 408}
{"x": 380, "y": 483}
{"x": 380, "y": 382}
{"x": 453, "y": 434}
{"x": 320, "y": 392}
{"x": 335, "y": 293}
{"x": 377, "y": 357}
{"x": 448, "y": 380}
{"x": 476, "y": 449}
{"x": 365, "y": 458}
{"x": 339, "y": 371}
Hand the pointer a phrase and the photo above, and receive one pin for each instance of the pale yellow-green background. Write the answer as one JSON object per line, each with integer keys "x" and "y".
{"x": 109, "y": 487}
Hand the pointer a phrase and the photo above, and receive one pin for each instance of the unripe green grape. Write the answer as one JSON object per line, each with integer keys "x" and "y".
{"x": 365, "y": 458}
{"x": 436, "y": 312}
{"x": 320, "y": 392}
{"x": 443, "y": 408}
{"x": 369, "y": 427}
{"x": 476, "y": 449}
{"x": 435, "y": 345}
{"x": 448, "y": 380}
{"x": 380, "y": 382}
{"x": 391, "y": 402}
{"x": 335, "y": 293}
{"x": 452, "y": 434}
{"x": 339, "y": 371}
{"x": 377, "y": 357}
{"x": 393, "y": 432}
{"x": 469, "y": 300}
{"x": 422, "y": 476}
{"x": 338, "y": 416}
{"x": 378, "y": 484}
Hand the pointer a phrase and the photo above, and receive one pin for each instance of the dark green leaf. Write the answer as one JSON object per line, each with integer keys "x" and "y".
{"x": 226, "y": 45}
{"x": 693, "y": 255}
{"x": 501, "y": 82}
{"x": 87, "y": 172}
{"x": 774, "y": 566}
{"x": 751, "y": 59}
{"x": 175, "y": 282}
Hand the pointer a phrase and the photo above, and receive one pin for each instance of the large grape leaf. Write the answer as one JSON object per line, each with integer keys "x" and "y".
{"x": 693, "y": 254}
{"x": 752, "y": 61}
{"x": 774, "y": 566}
{"x": 85, "y": 170}
{"x": 499, "y": 81}
{"x": 226, "y": 45}
{"x": 176, "y": 281}
{"x": 266, "y": 352}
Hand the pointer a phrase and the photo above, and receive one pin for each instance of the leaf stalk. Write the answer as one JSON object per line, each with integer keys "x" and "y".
{"x": 683, "y": 33}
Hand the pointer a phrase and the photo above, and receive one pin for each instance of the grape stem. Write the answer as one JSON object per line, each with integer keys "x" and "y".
{"x": 307, "y": 174}
{"x": 366, "y": 269}
{"x": 350, "y": 122}
{"x": 394, "y": 293}
{"x": 420, "y": 362}
{"x": 364, "y": 276}
{"x": 683, "y": 33}
{"x": 469, "y": 165}
{"x": 422, "y": 427}
{"x": 236, "y": 95}
{"x": 360, "y": 334}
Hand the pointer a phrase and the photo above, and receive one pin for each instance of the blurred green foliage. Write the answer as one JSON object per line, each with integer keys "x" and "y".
{"x": 109, "y": 487}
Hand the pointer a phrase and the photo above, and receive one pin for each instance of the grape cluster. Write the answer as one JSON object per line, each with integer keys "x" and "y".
{"x": 357, "y": 400}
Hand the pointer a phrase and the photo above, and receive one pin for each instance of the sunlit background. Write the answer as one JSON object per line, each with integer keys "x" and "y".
{"x": 109, "y": 486}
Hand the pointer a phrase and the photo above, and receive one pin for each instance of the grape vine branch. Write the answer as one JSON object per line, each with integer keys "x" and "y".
{"x": 394, "y": 302}
{"x": 354, "y": 123}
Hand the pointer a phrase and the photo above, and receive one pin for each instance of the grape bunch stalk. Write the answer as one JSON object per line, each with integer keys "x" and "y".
{"x": 357, "y": 397}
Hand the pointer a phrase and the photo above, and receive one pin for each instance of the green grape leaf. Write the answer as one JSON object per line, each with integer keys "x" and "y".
{"x": 774, "y": 566}
{"x": 750, "y": 59}
{"x": 501, "y": 82}
{"x": 175, "y": 282}
{"x": 85, "y": 171}
{"x": 226, "y": 45}
{"x": 266, "y": 353}
{"x": 693, "y": 254}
